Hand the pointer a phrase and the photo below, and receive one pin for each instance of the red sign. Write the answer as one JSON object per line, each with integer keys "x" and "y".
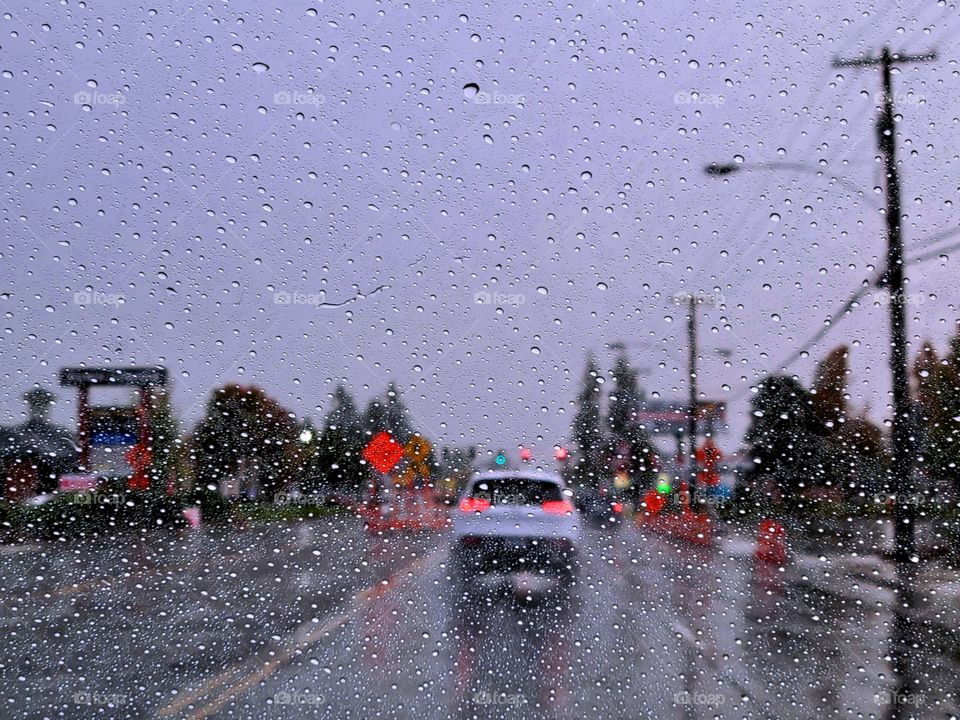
{"x": 709, "y": 457}
{"x": 140, "y": 459}
{"x": 383, "y": 452}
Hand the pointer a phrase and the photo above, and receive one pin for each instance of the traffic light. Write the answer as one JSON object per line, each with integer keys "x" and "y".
{"x": 501, "y": 458}
{"x": 560, "y": 453}
{"x": 526, "y": 454}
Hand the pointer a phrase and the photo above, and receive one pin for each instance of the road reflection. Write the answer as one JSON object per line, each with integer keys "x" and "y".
{"x": 511, "y": 645}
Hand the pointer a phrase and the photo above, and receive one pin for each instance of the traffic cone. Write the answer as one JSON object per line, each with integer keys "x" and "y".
{"x": 771, "y": 542}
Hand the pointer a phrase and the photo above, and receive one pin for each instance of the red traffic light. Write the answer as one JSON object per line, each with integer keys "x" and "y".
{"x": 526, "y": 454}
{"x": 560, "y": 453}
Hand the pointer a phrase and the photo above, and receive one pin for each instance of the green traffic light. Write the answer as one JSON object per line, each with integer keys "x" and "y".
{"x": 501, "y": 459}
{"x": 663, "y": 487}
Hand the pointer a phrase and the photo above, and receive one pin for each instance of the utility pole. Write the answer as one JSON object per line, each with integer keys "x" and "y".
{"x": 901, "y": 466}
{"x": 692, "y": 300}
{"x": 692, "y": 402}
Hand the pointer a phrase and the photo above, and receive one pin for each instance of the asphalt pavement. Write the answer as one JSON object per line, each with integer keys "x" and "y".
{"x": 323, "y": 620}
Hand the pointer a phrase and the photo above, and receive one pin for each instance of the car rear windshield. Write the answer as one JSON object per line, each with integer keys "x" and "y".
{"x": 516, "y": 491}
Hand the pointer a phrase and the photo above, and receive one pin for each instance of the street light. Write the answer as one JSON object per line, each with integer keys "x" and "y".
{"x": 729, "y": 168}
{"x": 721, "y": 169}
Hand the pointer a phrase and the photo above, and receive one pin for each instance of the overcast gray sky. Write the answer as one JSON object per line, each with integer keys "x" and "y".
{"x": 185, "y": 166}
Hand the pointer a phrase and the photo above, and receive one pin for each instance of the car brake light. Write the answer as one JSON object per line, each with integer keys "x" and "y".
{"x": 617, "y": 507}
{"x": 472, "y": 504}
{"x": 557, "y": 507}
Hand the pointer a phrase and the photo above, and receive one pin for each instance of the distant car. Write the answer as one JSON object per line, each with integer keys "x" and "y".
{"x": 515, "y": 521}
{"x": 599, "y": 507}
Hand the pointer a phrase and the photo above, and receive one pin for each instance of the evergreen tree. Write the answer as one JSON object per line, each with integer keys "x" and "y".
{"x": 396, "y": 416}
{"x": 374, "y": 416}
{"x": 782, "y": 437}
{"x": 164, "y": 429}
{"x": 625, "y": 432}
{"x": 339, "y": 447}
{"x": 625, "y": 398}
{"x": 937, "y": 411}
{"x": 588, "y": 435}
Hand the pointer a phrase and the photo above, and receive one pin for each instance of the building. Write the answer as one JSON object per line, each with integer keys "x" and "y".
{"x": 36, "y": 452}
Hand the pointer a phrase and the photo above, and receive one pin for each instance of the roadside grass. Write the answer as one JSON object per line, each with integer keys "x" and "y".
{"x": 103, "y": 513}
{"x": 293, "y": 512}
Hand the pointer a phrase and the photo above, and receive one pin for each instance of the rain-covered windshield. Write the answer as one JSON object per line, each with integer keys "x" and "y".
{"x": 465, "y": 360}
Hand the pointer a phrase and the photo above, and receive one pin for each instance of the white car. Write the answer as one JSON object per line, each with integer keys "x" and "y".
{"x": 515, "y": 521}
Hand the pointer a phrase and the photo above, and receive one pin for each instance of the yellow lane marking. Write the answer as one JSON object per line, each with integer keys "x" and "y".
{"x": 302, "y": 639}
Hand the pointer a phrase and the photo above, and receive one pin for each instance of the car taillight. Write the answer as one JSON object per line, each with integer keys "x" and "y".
{"x": 557, "y": 507}
{"x": 472, "y": 504}
{"x": 617, "y": 507}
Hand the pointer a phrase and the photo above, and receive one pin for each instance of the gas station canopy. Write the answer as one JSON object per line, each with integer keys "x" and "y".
{"x": 131, "y": 376}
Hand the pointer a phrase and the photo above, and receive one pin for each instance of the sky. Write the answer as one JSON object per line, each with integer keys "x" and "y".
{"x": 464, "y": 198}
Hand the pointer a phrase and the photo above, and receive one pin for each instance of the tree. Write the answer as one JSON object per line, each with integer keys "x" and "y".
{"x": 338, "y": 449}
{"x": 245, "y": 428}
{"x": 588, "y": 435}
{"x": 937, "y": 412}
{"x": 625, "y": 401}
{"x": 374, "y": 416}
{"x": 829, "y": 392}
{"x": 625, "y": 397}
{"x": 164, "y": 429}
{"x": 783, "y": 440}
{"x": 396, "y": 417}
{"x": 854, "y": 455}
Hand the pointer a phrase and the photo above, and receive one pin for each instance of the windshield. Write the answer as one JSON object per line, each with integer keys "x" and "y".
{"x": 388, "y": 359}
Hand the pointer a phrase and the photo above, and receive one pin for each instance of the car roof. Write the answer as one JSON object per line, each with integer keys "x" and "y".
{"x": 519, "y": 474}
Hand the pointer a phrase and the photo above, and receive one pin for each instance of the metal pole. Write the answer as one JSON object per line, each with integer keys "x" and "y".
{"x": 692, "y": 406}
{"x": 83, "y": 427}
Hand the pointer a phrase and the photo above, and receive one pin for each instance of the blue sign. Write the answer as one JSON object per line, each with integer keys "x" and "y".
{"x": 113, "y": 438}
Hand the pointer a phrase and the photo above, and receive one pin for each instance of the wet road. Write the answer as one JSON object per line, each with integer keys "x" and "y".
{"x": 322, "y": 620}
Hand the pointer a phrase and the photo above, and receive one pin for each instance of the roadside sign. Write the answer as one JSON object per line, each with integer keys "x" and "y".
{"x": 383, "y": 452}
{"x": 67, "y": 483}
{"x": 417, "y": 452}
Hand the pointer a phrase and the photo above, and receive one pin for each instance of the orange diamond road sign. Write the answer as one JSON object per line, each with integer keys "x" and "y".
{"x": 383, "y": 452}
